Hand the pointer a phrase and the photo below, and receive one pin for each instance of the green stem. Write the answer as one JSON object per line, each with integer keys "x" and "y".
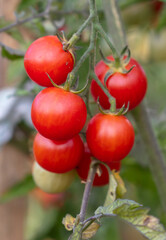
{"x": 72, "y": 75}
{"x": 93, "y": 166}
{"x": 112, "y": 99}
{"x": 76, "y": 35}
{"x": 156, "y": 159}
{"x": 92, "y": 57}
{"x": 100, "y": 29}
{"x": 115, "y": 27}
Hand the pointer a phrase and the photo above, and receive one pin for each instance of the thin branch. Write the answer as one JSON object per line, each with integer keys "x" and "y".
{"x": 20, "y": 22}
{"x": 94, "y": 164}
{"x": 105, "y": 90}
{"x": 45, "y": 13}
{"x": 77, "y": 35}
{"x": 87, "y": 190}
{"x": 100, "y": 29}
{"x": 96, "y": 217}
{"x": 115, "y": 26}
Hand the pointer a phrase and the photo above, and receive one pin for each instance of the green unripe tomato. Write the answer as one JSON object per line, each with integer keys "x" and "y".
{"x": 51, "y": 182}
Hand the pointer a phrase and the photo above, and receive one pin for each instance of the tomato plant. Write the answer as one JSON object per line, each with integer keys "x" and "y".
{"x": 58, "y": 114}
{"x": 58, "y": 156}
{"x": 47, "y": 56}
{"x": 128, "y": 88}
{"x": 100, "y": 179}
{"x": 109, "y": 137}
{"x": 51, "y": 182}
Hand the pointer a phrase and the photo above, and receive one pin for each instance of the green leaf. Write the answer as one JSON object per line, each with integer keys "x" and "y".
{"x": 90, "y": 231}
{"x": 19, "y": 189}
{"x": 111, "y": 194}
{"x": 11, "y": 53}
{"x": 77, "y": 233}
{"x": 136, "y": 215}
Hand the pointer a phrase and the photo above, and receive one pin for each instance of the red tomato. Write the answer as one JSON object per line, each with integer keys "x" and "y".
{"x": 157, "y": 6}
{"x": 110, "y": 138}
{"x": 58, "y": 156}
{"x": 58, "y": 114}
{"x": 83, "y": 169}
{"x": 130, "y": 87}
{"x": 48, "y": 200}
{"x": 46, "y": 55}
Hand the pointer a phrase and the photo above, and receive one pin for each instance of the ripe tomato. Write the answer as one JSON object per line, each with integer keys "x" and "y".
{"x": 58, "y": 114}
{"x": 126, "y": 88}
{"x": 83, "y": 169}
{"x": 109, "y": 137}
{"x": 51, "y": 182}
{"x": 48, "y": 200}
{"x": 46, "y": 55}
{"x": 58, "y": 156}
{"x": 157, "y": 6}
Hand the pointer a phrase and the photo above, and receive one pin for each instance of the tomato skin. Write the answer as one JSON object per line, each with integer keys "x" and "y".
{"x": 48, "y": 200}
{"x": 130, "y": 87}
{"x": 83, "y": 169}
{"x": 109, "y": 138}
{"x": 157, "y": 6}
{"x": 58, "y": 114}
{"x": 51, "y": 182}
{"x": 58, "y": 156}
{"x": 46, "y": 55}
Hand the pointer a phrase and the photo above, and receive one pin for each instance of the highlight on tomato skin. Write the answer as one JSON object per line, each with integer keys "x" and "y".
{"x": 58, "y": 114}
{"x": 58, "y": 156}
{"x": 125, "y": 88}
{"x": 52, "y": 182}
{"x": 46, "y": 56}
{"x": 84, "y": 165}
{"x": 109, "y": 137}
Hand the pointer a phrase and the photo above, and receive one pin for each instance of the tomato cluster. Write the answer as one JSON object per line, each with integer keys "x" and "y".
{"x": 59, "y": 115}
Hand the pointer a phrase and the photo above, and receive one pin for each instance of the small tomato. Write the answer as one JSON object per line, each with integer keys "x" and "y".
{"x": 51, "y": 182}
{"x": 109, "y": 137}
{"x": 47, "y": 56}
{"x": 125, "y": 88}
{"x": 58, "y": 156}
{"x": 58, "y": 114}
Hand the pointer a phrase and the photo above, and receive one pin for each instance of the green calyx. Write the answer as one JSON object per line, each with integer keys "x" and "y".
{"x": 113, "y": 110}
{"x": 66, "y": 86}
{"x": 118, "y": 64}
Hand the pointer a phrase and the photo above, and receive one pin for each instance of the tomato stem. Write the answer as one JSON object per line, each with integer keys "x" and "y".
{"x": 88, "y": 186}
{"x": 72, "y": 41}
{"x": 112, "y": 100}
{"x": 100, "y": 29}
